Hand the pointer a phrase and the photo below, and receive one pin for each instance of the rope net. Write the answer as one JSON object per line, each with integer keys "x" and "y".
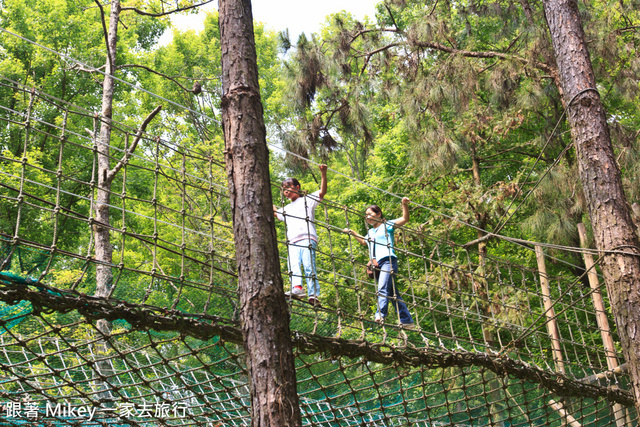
{"x": 495, "y": 342}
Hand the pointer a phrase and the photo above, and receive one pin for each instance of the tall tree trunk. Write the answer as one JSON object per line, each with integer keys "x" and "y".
{"x": 104, "y": 254}
{"x": 264, "y": 315}
{"x": 612, "y": 225}
{"x": 103, "y": 248}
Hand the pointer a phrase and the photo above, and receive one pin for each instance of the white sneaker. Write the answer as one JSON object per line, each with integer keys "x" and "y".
{"x": 379, "y": 318}
{"x": 297, "y": 293}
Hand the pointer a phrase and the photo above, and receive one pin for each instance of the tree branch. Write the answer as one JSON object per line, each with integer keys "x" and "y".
{"x": 104, "y": 27}
{"x": 386, "y": 6}
{"x": 486, "y": 54}
{"x": 466, "y": 53}
{"x": 144, "y": 67}
{"x": 373, "y": 30}
{"x": 129, "y": 151}
{"x": 480, "y": 240}
{"x": 80, "y": 67}
{"x": 181, "y": 9}
{"x": 433, "y": 9}
{"x": 370, "y": 54}
{"x": 626, "y": 29}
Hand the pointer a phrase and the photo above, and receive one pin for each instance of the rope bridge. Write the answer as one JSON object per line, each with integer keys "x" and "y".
{"x": 496, "y": 343}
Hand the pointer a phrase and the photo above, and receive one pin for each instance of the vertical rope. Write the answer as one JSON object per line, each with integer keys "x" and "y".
{"x": 154, "y": 204}
{"x": 410, "y": 281}
{"x": 25, "y": 147}
{"x": 56, "y": 210}
{"x": 211, "y": 243}
{"x": 123, "y": 227}
{"x": 361, "y": 313}
{"x": 183, "y": 219}
{"x": 332, "y": 259}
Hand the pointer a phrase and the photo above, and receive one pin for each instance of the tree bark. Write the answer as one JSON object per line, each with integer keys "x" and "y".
{"x": 104, "y": 251}
{"x": 103, "y": 248}
{"x": 600, "y": 176}
{"x": 264, "y": 314}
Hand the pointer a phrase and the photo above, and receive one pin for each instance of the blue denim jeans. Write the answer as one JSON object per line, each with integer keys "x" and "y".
{"x": 387, "y": 290}
{"x": 304, "y": 252}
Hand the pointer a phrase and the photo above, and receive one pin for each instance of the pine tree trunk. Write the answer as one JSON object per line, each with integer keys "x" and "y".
{"x": 608, "y": 209}
{"x": 264, "y": 314}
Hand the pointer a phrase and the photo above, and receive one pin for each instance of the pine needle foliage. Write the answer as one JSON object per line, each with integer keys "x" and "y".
{"x": 474, "y": 87}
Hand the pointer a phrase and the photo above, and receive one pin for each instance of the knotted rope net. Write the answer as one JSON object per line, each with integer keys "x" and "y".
{"x": 496, "y": 342}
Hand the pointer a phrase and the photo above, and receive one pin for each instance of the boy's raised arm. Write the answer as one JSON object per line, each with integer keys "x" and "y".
{"x": 323, "y": 180}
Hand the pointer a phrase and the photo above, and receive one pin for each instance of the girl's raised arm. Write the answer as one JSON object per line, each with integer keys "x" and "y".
{"x": 405, "y": 213}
